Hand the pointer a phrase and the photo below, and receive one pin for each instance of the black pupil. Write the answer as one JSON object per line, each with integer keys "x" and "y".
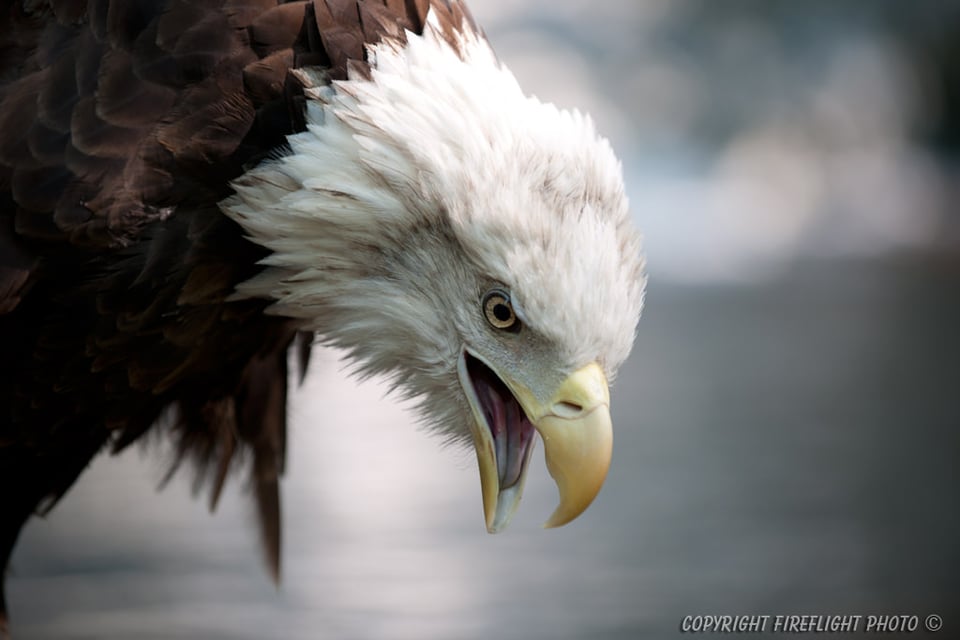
{"x": 502, "y": 312}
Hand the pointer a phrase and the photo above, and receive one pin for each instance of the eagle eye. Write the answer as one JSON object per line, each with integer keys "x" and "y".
{"x": 499, "y": 312}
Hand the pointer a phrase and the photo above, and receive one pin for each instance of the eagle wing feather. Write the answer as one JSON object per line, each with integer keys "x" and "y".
{"x": 122, "y": 123}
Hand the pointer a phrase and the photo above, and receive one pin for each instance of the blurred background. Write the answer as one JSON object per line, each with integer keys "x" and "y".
{"x": 787, "y": 428}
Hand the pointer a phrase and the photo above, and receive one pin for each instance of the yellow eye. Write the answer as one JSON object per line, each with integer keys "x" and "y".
{"x": 499, "y": 311}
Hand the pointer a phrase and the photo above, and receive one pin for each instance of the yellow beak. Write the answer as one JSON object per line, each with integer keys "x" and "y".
{"x": 578, "y": 440}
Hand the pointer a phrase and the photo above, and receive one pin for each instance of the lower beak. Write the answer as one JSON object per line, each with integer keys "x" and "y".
{"x": 577, "y": 435}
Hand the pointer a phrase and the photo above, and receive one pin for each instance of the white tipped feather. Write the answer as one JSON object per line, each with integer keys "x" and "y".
{"x": 411, "y": 193}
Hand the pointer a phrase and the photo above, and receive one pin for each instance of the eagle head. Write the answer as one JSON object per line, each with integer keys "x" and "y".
{"x": 469, "y": 242}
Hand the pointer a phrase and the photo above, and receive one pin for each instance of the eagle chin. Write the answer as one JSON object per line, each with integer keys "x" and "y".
{"x": 190, "y": 191}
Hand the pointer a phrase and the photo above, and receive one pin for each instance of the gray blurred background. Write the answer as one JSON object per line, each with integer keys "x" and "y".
{"x": 788, "y": 427}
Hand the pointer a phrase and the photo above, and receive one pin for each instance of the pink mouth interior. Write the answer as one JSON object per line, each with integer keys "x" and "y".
{"x": 512, "y": 431}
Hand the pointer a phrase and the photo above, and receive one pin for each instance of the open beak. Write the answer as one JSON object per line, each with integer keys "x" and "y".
{"x": 574, "y": 424}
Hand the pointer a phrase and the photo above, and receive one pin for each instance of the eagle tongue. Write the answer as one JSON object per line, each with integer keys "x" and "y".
{"x": 497, "y": 421}
{"x": 512, "y": 431}
{"x": 520, "y": 433}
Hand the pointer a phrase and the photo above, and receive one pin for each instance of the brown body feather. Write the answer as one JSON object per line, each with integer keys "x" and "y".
{"x": 121, "y": 124}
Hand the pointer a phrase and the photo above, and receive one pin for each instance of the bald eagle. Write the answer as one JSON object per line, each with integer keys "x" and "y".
{"x": 193, "y": 189}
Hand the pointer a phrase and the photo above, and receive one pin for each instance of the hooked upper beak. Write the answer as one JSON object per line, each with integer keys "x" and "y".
{"x": 575, "y": 427}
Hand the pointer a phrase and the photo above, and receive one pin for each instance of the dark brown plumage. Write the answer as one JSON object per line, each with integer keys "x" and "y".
{"x": 121, "y": 125}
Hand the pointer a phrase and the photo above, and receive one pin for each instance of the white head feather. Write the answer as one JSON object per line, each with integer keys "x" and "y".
{"x": 413, "y": 192}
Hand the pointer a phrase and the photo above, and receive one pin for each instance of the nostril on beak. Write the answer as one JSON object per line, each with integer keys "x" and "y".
{"x": 567, "y": 410}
